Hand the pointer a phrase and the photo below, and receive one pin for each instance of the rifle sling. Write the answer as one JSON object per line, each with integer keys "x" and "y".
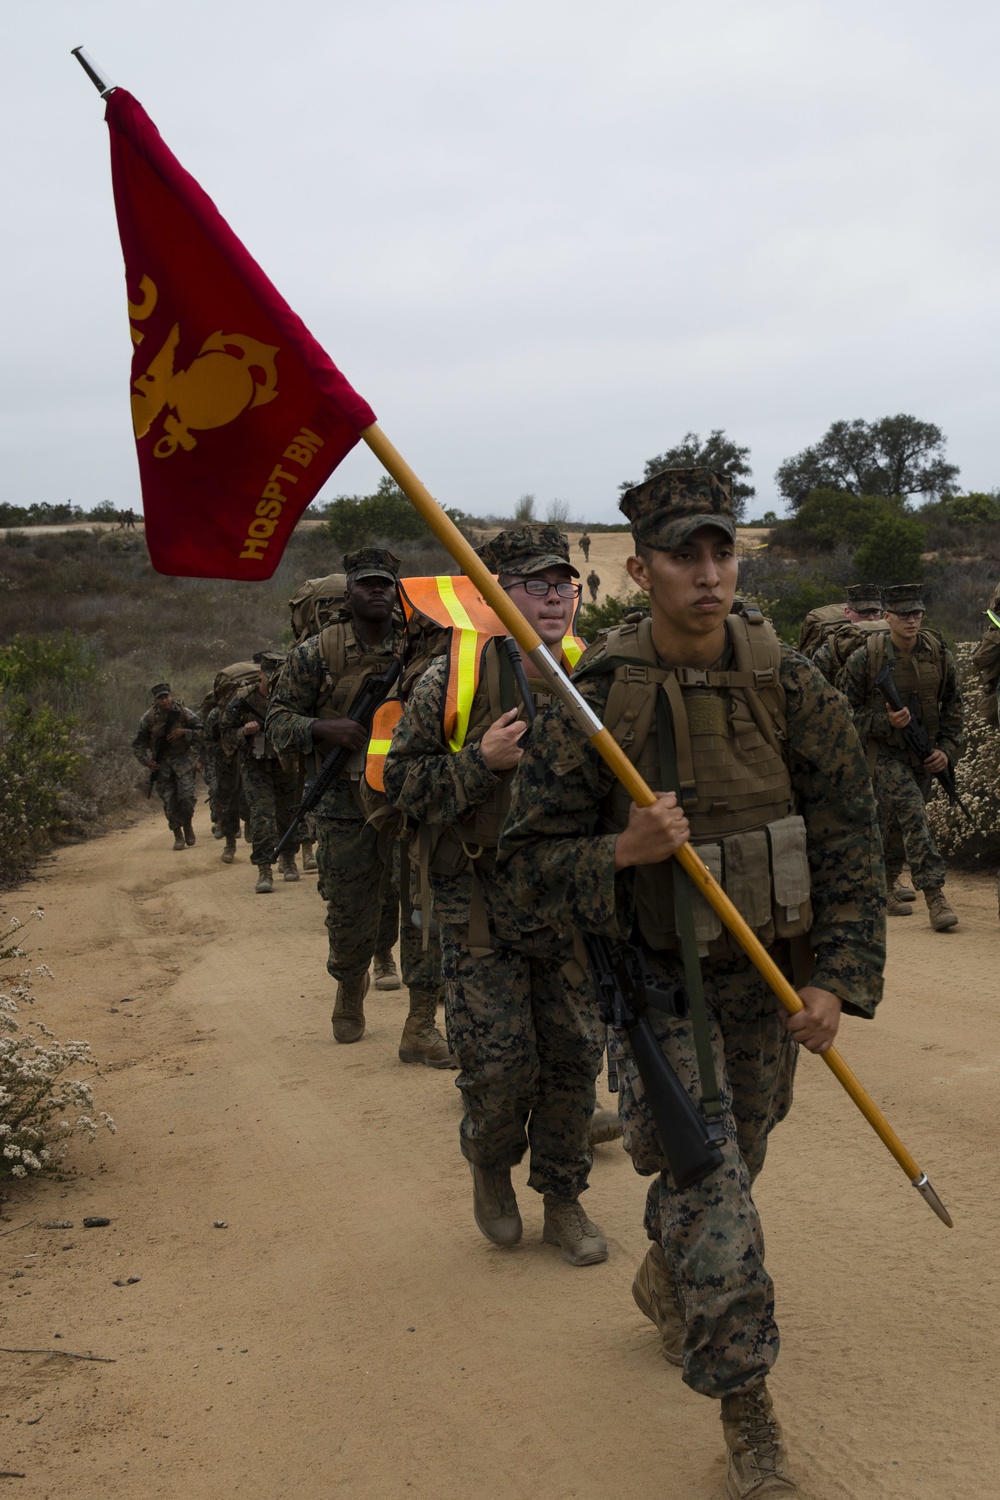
{"x": 710, "y": 1102}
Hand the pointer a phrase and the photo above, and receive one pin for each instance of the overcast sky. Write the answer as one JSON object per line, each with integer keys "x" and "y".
{"x": 543, "y": 238}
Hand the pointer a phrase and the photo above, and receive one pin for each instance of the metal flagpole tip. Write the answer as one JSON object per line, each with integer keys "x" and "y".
{"x": 928, "y": 1194}
{"x": 103, "y": 85}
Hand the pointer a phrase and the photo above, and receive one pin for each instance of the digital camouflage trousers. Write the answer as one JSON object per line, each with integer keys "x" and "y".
{"x": 529, "y": 1044}
{"x": 901, "y": 796}
{"x": 227, "y": 795}
{"x": 270, "y": 795}
{"x": 175, "y": 788}
{"x": 711, "y": 1234}
{"x": 362, "y": 900}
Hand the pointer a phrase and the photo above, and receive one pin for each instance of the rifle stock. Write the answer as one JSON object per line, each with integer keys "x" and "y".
{"x": 690, "y": 1145}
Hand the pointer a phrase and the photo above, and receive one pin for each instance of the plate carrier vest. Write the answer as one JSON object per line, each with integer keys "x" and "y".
{"x": 735, "y": 787}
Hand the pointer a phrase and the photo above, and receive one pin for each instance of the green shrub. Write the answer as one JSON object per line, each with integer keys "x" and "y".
{"x": 893, "y": 551}
{"x": 40, "y": 759}
{"x": 30, "y": 661}
{"x": 593, "y": 618}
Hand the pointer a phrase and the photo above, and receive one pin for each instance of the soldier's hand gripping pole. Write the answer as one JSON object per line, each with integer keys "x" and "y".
{"x": 373, "y": 691}
{"x": 590, "y": 725}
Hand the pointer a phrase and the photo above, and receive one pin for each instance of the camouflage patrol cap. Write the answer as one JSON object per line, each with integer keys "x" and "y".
{"x": 901, "y": 598}
{"x": 526, "y": 550}
{"x": 371, "y": 562}
{"x": 160, "y": 689}
{"x": 269, "y": 662}
{"x": 669, "y": 506}
{"x": 864, "y": 596}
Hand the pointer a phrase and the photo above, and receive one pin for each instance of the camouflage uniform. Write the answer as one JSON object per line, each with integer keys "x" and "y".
{"x": 269, "y": 789}
{"x": 351, "y": 868}
{"x": 178, "y": 764}
{"x": 557, "y": 850}
{"x": 226, "y": 777}
{"x": 526, "y": 1037}
{"x": 902, "y": 785}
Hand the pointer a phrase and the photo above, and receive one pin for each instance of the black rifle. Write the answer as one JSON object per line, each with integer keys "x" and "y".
{"x": 915, "y": 736}
{"x": 373, "y": 692}
{"x": 624, "y": 991}
{"x": 174, "y": 717}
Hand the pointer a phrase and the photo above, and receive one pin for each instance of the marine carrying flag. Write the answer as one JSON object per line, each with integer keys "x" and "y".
{"x": 239, "y": 416}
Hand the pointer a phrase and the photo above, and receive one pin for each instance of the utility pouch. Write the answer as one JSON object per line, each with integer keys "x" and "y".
{"x": 790, "y": 876}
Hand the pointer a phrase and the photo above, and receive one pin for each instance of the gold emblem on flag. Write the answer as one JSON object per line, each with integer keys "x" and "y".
{"x": 230, "y": 374}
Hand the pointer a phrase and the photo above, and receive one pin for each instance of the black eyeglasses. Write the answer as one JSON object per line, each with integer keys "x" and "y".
{"x": 539, "y": 588}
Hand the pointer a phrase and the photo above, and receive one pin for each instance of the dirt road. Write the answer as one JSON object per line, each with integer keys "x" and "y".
{"x": 350, "y": 1334}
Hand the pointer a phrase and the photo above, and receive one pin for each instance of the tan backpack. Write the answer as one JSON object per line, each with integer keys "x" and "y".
{"x": 316, "y": 604}
{"x": 818, "y": 625}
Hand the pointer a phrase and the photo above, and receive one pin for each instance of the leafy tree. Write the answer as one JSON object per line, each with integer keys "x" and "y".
{"x": 893, "y": 456}
{"x": 892, "y": 551}
{"x": 386, "y": 516}
{"x": 714, "y": 452}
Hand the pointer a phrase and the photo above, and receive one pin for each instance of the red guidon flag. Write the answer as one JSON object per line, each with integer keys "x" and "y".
{"x": 239, "y": 416}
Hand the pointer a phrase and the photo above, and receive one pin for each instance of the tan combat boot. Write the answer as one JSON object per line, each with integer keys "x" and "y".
{"x": 265, "y": 880}
{"x": 895, "y": 906}
{"x": 386, "y": 977}
{"x": 229, "y": 852}
{"x": 604, "y": 1126}
{"x": 903, "y": 892}
{"x": 494, "y": 1204}
{"x": 178, "y": 838}
{"x": 349, "y": 1009}
{"x": 566, "y": 1225}
{"x": 421, "y": 1041}
{"x": 758, "y": 1464}
{"x": 939, "y": 912}
{"x": 654, "y": 1291}
{"x": 308, "y": 857}
{"x": 189, "y": 838}
{"x": 289, "y": 869}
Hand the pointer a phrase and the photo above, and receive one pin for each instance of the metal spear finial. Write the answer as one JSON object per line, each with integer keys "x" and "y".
{"x": 103, "y": 85}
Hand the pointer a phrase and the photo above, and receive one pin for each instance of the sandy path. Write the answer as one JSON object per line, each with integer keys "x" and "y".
{"x": 350, "y": 1334}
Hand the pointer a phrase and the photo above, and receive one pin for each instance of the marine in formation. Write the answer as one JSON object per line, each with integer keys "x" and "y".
{"x": 166, "y": 743}
{"x": 309, "y": 713}
{"x": 520, "y": 1011}
{"x": 760, "y": 765}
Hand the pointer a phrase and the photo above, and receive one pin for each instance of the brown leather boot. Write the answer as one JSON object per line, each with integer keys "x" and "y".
{"x": 604, "y": 1126}
{"x": 758, "y": 1463}
{"x": 896, "y": 907}
{"x": 654, "y": 1291}
{"x": 229, "y": 852}
{"x": 308, "y": 857}
{"x": 178, "y": 834}
{"x": 386, "y": 974}
{"x": 566, "y": 1224}
{"x": 421, "y": 1041}
{"x": 494, "y": 1204}
{"x": 189, "y": 838}
{"x": 288, "y": 867}
{"x": 941, "y": 916}
{"x": 349, "y": 1010}
{"x": 265, "y": 880}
